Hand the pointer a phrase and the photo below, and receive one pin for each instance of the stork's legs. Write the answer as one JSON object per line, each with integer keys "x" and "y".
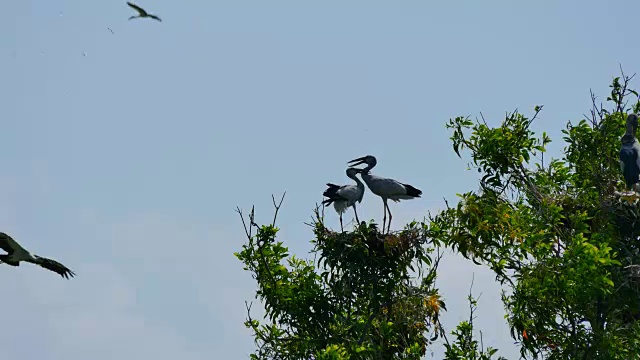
{"x": 389, "y": 223}
{"x": 356, "y": 212}
{"x": 341, "y": 228}
{"x": 384, "y": 209}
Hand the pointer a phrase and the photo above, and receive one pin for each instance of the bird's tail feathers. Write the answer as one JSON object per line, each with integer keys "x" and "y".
{"x": 412, "y": 191}
{"x": 331, "y": 190}
{"x": 327, "y": 202}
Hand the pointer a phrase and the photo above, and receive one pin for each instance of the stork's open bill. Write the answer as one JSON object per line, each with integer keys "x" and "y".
{"x": 384, "y": 187}
{"x": 16, "y": 253}
{"x": 343, "y": 196}
{"x": 630, "y": 154}
{"x": 142, "y": 13}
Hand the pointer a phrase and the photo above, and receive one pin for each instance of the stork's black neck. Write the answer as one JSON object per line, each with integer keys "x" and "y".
{"x": 628, "y": 139}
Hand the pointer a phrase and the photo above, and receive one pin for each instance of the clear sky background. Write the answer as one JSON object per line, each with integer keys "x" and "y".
{"x": 124, "y": 154}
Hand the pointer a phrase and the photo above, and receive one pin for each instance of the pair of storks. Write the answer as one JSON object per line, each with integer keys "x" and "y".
{"x": 345, "y": 196}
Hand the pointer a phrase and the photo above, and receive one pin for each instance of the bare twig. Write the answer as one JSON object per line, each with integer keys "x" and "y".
{"x": 483, "y": 120}
{"x": 246, "y": 229}
{"x": 277, "y": 206}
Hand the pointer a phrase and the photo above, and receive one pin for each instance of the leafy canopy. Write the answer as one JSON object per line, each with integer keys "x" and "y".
{"x": 556, "y": 232}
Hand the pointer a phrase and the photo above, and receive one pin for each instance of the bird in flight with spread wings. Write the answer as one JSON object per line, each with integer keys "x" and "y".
{"x": 142, "y": 13}
{"x": 16, "y": 253}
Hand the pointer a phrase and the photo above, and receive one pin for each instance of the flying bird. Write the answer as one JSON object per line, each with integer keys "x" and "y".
{"x": 142, "y": 13}
{"x": 16, "y": 253}
{"x": 343, "y": 196}
{"x": 384, "y": 187}
{"x": 630, "y": 154}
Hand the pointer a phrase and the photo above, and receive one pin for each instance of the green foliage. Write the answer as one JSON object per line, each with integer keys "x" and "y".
{"x": 558, "y": 234}
{"x": 465, "y": 346}
{"x": 368, "y": 295}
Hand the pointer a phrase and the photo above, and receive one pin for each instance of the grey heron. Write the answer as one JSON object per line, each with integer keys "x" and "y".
{"x": 142, "y": 13}
{"x": 630, "y": 153}
{"x": 16, "y": 253}
{"x": 384, "y": 187}
{"x": 343, "y": 196}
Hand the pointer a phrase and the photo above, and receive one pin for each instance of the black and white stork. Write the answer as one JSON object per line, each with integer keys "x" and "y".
{"x": 384, "y": 187}
{"x": 630, "y": 154}
{"x": 142, "y": 13}
{"x": 16, "y": 253}
{"x": 343, "y": 196}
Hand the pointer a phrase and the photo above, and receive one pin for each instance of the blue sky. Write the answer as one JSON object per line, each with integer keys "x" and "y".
{"x": 123, "y": 155}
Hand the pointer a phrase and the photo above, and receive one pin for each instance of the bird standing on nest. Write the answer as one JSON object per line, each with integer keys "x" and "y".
{"x": 346, "y": 195}
{"x": 142, "y": 13}
{"x": 384, "y": 187}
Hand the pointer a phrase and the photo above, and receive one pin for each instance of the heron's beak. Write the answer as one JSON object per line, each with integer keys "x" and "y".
{"x": 357, "y": 161}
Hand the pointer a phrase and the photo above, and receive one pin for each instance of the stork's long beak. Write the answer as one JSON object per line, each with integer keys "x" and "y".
{"x": 357, "y": 161}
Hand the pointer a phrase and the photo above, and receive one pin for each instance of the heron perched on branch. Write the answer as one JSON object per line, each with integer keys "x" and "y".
{"x": 142, "y": 13}
{"x": 16, "y": 253}
{"x": 384, "y": 187}
{"x": 343, "y": 196}
{"x": 630, "y": 154}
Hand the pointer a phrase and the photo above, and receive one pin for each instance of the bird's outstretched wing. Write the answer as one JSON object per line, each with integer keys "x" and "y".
{"x": 54, "y": 266}
{"x": 155, "y": 17}
{"x": 138, "y": 9}
{"x": 9, "y": 245}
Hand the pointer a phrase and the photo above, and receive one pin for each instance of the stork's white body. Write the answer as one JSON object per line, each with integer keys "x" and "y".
{"x": 345, "y": 196}
{"x": 385, "y": 187}
{"x": 353, "y": 194}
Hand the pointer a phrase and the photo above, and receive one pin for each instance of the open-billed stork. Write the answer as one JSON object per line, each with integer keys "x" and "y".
{"x": 343, "y": 196}
{"x": 16, "y": 253}
{"x": 630, "y": 154}
{"x": 142, "y": 13}
{"x": 384, "y": 187}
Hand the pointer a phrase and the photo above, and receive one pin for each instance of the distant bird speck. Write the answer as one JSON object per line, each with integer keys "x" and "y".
{"x": 142, "y": 13}
{"x": 110, "y": 30}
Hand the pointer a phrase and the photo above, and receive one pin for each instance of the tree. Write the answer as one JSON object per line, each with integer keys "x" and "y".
{"x": 357, "y": 300}
{"x": 556, "y": 233}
